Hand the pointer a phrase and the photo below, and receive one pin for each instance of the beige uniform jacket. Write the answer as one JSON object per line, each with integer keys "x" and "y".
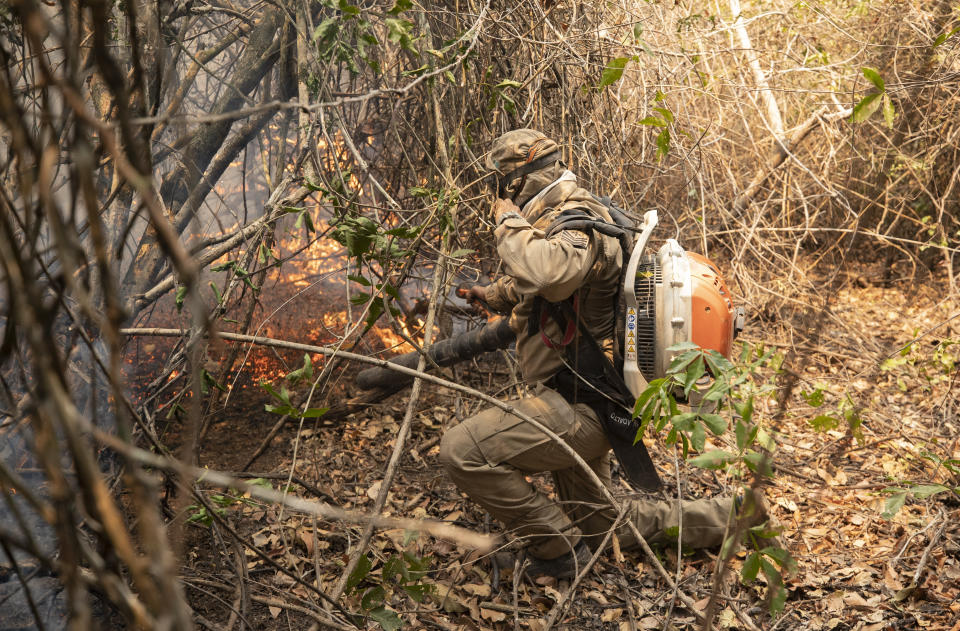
{"x": 555, "y": 268}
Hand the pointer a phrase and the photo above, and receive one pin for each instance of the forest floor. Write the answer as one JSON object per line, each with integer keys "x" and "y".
{"x": 856, "y": 569}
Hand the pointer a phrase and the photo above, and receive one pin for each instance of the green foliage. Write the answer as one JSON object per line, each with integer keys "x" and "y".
{"x": 898, "y": 495}
{"x": 943, "y": 37}
{"x": 400, "y": 575}
{"x": 690, "y": 403}
{"x": 878, "y": 99}
{"x": 775, "y": 563}
{"x": 613, "y": 71}
{"x": 914, "y": 363}
{"x": 348, "y": 35}
{"x": 846, "y": 411}
{"x": 283, "y": 405}
{"x": 238, "y": 271}
{"x": 220, "y": 502}
{"x": 503, "y": 93}
{"x": 180, "y": 296}
{"x": 663, "y": 121}
{"x": 365, "y": 240}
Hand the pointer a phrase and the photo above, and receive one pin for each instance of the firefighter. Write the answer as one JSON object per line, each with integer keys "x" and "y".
{"x": 490, "y": 454}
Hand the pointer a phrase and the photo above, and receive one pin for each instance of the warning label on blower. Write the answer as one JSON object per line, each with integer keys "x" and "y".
{"x": 630, "y": 343}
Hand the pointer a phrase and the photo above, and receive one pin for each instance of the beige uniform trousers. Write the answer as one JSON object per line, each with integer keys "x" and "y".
{"x": 489, "y": 456}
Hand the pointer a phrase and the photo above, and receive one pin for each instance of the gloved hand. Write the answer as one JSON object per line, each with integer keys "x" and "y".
{"x": 502, "y": 206}
{"x": 476, "y": 295}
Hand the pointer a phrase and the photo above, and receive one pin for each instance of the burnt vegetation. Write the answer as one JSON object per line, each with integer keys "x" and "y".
{"x": 213, "y": 215}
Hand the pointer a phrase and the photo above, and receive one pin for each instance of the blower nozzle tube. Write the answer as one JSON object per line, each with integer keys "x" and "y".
{"x": 492, "y": 336}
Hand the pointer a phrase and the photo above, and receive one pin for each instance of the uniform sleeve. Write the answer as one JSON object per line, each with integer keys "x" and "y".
{"x": 502, "y": 295}
{"x": 553, "y": 268}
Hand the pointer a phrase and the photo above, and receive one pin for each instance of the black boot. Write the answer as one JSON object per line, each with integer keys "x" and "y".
{"x": 564, "y": 567}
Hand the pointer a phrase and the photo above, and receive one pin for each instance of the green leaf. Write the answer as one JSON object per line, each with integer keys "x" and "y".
{"x": 667, "y": 114}
{"x": 694, "y": 371}
{"x": 305, "y": 372}
{"x": 208, "y": 380}
{"x": 359, "y": 279}
{"x": 348, "y": 9}
{"x": 745, "y": 434}
{"x": 945, "y": 36}
{"x": 386, "y": 618}
{"x": 894, "y": 503}
{"x": 663, "y": 143}
{"x": 683, "y": 422}
{"x": 751, "y": 567}
{"x": 508, "y": 104}
{"x": 824, "y": 423}
{"x": 778, "y": 593}
{"x": 923, "y": 491}
{"x": 814, "y": 398}
{"x": 764, "y": 531}
{"x": 612, "y": 71}
{"x": 889, "y": 113}
{"x": 874, "y": 77}
{"x": 680, "y": 362}
{"x": 456, "y": 254}
{"x": 266, "y": 385}
{"x": 304, "y": 219}
{"x": 417, "y": 592}
{"x": 376, "y": 308}
{"x": 718, "y": 389}
{"x": 854, "y": 422}
{"x": 865, "y": 108}
{"x": 698, "y": 437}
{"x": 315, "y": 412}
{"x": 652, "y": 388}
{"x": 716, "y": 459}
{"x": 398, "y": 32}
{"x": 715, "y": 422}
{"x": 783, "y": 558}
{"x": 417, "y": 567}
{"x": 216, "y": 292}
{"x": 282, "y": 410}
{"x": 181, "y": 295}
{"x": 757, "y": 463}
{"x": 359, "y": 573}
{"x": 373, "y": 598}
{"x": 745, "y": 410}
{"x": 416, "y": 191}
{"x": 718, "y": 363}
{"x": 399, "y": 6}
{"x": 395, "y": 567}
{"x": 509, "y": 83}
{"x": 653, "y": 121}
{"x": 325, "y": 31}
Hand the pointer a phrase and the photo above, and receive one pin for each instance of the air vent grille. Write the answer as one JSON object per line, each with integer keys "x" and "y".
{"x": 649, "y": 277}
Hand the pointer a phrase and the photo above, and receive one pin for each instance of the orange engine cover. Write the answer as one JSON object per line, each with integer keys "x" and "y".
{"x": 712, "y": 310}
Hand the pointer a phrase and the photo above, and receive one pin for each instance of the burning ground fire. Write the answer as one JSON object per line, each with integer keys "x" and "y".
{"x": 304, "y": 299}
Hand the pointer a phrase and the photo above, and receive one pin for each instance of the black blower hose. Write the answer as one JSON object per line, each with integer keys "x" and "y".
{"x": 492, "y": 336}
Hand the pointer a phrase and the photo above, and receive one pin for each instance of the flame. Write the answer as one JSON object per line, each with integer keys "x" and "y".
{"x": 304, "y": 298}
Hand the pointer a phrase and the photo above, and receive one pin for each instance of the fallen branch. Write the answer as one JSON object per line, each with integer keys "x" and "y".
{"x": 439, "y": 529}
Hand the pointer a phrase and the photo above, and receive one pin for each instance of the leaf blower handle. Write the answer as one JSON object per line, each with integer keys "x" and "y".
{"x": 494, "y": 335}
